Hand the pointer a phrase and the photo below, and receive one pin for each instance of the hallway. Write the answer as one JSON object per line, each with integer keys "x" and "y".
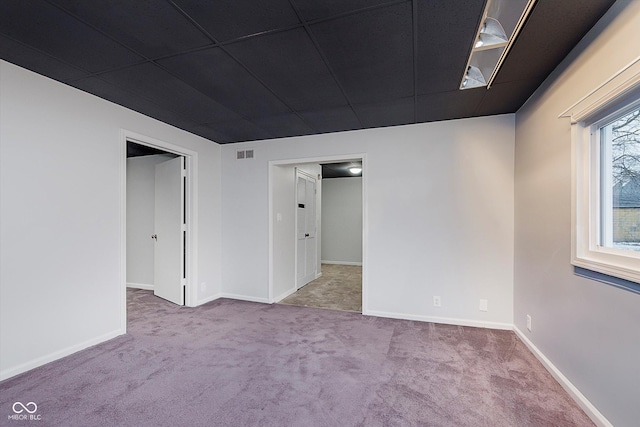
{"x": 339, "y": 288}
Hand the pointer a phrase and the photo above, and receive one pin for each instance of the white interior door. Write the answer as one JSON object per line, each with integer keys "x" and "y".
{"x": 169, "y": 231}
{"x": 306, "y": 251}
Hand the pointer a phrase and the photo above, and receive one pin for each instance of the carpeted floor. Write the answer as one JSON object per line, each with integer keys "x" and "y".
{"x": 339, "y": 288}
{"x": 233, "y": 363}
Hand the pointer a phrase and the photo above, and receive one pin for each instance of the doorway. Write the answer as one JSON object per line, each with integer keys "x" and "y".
{"x": 288, "y": 277}
{"x": 156, "y": 222}
{"x": 159, "y": 225}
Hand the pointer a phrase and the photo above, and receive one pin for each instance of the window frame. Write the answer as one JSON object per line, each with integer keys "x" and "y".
{"x": 586, "y": 251}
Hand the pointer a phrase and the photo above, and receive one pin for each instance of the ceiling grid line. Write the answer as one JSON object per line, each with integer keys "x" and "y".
{"x": 153, "y": 62}
{"x": 325, "y": 60}
{"x": 89, "y": 74}
{"x": 225, "y": 50}
{"x": 291, "y": 27}
{"x": 40, "y": 51}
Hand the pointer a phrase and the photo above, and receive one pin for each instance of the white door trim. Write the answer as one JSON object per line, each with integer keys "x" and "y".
{"x": 365, "y": 223}
{"x": 191, "y": 159}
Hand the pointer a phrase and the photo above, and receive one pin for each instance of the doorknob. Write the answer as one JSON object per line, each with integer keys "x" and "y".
{"x": 306, "y": 235}
{"x": 155, "y": 237}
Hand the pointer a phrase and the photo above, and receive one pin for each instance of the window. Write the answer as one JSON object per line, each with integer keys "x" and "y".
{"x": 606, "y": 180}
{"x": 618, "y": 141}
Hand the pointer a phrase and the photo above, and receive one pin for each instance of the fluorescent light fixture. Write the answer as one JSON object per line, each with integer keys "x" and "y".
{"x": 355, "y": 170}
{"x": 473, "y": 78}
{"x": 491, "y": 35}
{"x": 501, "y": 22}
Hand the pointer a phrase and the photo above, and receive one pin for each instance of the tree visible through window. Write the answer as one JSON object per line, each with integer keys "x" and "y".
{"x": 620, "y": 182}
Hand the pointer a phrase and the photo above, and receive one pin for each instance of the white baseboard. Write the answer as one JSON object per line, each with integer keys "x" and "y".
{"x": 584, "y": 403}
{"x": 445, "y": 320}
{"x": 341, "y": 262}
{"x": 244, "y": 298}
{"x": 284, "y": 295}
{"x": 208, "y": 299}
{"x": 140, "y": 286}
{"x": 318, "y": 275}
{"x": 24, "y": 367}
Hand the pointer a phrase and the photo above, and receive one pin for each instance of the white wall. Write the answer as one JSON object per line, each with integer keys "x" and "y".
{"x": 342, "y": 220}
{"x": 443, "y": 226}
{"x": 61, "y": 181}
{"x": 141, "y": 185}
{"x": 587, "y": 329}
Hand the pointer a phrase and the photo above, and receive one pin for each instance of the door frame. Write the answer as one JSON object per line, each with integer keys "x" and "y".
{"x": 191, "y": 266}
{"x": 365, "y": 223}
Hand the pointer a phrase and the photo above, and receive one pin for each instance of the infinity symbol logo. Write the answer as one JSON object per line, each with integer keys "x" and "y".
{"x": 22, "y": 407}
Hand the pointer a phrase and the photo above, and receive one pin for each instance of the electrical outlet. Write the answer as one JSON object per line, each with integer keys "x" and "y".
{"x": 437, "y": 302}
{"x": 484, "y": 305}
{"x": 529, "y": 323}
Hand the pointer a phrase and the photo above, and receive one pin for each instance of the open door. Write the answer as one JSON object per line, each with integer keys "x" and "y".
{"x": 306, "y": 250}
{"x": 170, "y": 231}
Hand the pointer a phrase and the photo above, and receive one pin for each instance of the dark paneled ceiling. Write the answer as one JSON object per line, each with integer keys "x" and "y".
{"x": 139, "y": 150}
{"x": 242, "y": 70}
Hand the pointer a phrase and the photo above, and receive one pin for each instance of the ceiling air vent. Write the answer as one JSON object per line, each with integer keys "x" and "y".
{"x": 244, "y": 154}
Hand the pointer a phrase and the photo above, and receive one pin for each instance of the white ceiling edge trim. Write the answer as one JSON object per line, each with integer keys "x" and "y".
{"x": 623, "y": 81}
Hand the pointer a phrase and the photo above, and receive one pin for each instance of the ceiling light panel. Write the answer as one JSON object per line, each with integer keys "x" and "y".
{"x": 500, "y": 24}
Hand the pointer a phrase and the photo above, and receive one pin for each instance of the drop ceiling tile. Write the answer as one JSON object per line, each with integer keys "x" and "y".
{"x": 212, "y": 133}
{"x": 150, "y": 27}
{"x": 548, "y": 36}
{"x": 241, "y": 130}
{"x": 226, "y": 20}
{"x": 284, "y": 124}
{"x": 332, "y": 119}
{"x": 290, "y": 65}
{"x": 217, "y": 75}
{"x": 36, "y": 61}
{"x": 371, "y": 52}
{"x": 446, "y": 32}
{"x": 50, "y": 30}
{"x": 314, "y": 9}
{"x": 163, "y": 89}
{"x": 449, "y": 105}
{"x": 110, "y": 92}
{"x": 387, "y": 113}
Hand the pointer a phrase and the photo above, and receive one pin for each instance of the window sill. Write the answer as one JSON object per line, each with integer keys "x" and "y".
{"x": 607, "y": 279}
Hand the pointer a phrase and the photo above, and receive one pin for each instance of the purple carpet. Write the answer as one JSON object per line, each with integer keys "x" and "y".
{"x": 233, "y": 363}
